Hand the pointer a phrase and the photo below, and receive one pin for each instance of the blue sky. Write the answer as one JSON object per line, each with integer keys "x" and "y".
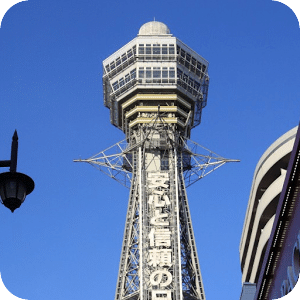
{"x": 65, "y": 240}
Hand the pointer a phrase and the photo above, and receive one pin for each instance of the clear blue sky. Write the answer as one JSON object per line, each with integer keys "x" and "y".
{"x": 65, "y": 241}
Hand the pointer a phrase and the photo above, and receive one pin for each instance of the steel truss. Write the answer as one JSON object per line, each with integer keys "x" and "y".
{"x": 159, "y": 257}
{"x": 115, "y": 161}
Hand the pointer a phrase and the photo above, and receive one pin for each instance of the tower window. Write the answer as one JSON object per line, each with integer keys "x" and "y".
{"x": 141, "y": 73}
{"x": 164, "y": 49}
{"x": 148, "y": 73}
{"x": 171, "y": 49}
{"x": 156, "y": 72}
{"x": 141, "y": 49}
{"x": 172, "y": 73}
{"x": 148, "y": 49}
{"x": 164, "y": 72}
{"x": 156, "y": 49}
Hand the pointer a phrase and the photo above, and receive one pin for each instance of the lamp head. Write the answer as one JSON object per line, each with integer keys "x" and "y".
{"x": 14, "y": 187}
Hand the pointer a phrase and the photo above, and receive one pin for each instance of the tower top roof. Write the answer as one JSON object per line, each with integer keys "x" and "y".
{"x": 154, "y": 28}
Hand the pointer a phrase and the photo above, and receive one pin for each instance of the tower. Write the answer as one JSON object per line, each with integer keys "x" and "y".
{"x": 155, "y": 87}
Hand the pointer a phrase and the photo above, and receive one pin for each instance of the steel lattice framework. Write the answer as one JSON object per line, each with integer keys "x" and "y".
{"x": 115, "y": 161}
{"x": 155, "y": 88}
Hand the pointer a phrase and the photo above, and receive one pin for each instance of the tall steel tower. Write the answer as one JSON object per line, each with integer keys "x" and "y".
{"x": 155, "y": 87}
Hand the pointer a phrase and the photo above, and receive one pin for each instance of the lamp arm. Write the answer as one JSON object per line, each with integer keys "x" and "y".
{"x": 12, "y": 163}
{"x": 14, "y": 153}
{"x": 4, "y": 163}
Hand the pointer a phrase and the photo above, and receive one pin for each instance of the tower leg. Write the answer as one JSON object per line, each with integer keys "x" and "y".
{"x": 128, "y": 283}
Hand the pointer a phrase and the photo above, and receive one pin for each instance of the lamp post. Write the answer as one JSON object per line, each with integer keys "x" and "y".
{"x": 14, "y": 186}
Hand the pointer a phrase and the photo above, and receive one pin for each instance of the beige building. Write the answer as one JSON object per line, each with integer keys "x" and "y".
{"x": 266, "y": 187}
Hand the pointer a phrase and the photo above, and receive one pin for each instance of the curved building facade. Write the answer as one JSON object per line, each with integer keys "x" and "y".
{"x": 265, "y": 192}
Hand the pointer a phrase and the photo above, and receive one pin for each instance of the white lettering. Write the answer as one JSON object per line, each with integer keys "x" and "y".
{"x": 160, "y": 237}
{"x": 161, "y": 277}
{"x": 157, "y": 219}
{"x": 159, "y": 201}
{"x": 160, "y": 257}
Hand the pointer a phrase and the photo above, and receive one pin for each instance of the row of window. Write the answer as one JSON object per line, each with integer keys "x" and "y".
{"x": 185, "y": 59}
{"x": 156, "y": 72}
{"x": 159, "y": 75}
{"x": 187, "y": 82}
{"x": 124, "y": 80}
{"x": 148, "y": 73}
{"x": 125, "y": 59}
{"x": 190, "y": 59}
{"x": 156, "y": 49}
{"x": 162, "y": 50}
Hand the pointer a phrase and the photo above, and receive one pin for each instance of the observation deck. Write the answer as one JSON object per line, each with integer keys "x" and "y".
{"x": 155, "y": 72}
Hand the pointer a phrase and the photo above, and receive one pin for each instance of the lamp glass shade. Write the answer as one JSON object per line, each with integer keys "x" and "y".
{"x": 21, "y": 191}
{"x": 14, "y": 187}
{"x": 10, "y": 188}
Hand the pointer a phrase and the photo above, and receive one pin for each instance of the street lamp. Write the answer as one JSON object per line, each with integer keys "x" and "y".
{"x": 14, "y": 186}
